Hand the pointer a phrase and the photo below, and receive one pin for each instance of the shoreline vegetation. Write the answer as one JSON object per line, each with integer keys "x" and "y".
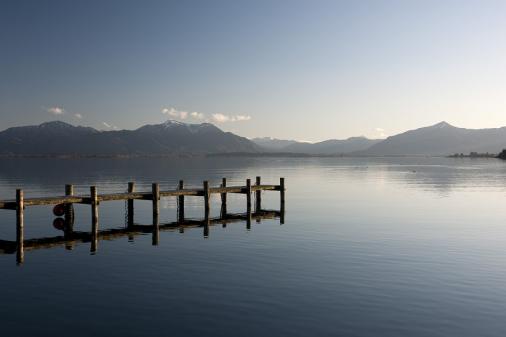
{"x": 474, "y": 155}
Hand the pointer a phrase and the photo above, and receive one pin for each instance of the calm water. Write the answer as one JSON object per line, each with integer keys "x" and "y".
{"x": 370, "y": 247}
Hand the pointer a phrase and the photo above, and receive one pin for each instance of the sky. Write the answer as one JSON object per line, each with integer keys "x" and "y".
{"x": 307, "y": 70}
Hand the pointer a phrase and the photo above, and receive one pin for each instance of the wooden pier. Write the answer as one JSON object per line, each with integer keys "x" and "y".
{"x": 155, "y": 195}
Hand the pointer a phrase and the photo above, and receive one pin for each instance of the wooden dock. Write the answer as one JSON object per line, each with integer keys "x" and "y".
{"x": 155, "y": 195}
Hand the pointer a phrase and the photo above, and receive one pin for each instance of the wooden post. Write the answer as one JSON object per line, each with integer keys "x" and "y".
{"x": 206, "y": 230}
{"x": 181, "y": 203}
{"x": 94, "y": 218}
{"x": 130, "y": 205}
{"x": 156, "y": 232}
{"x": 69, "y": 208}
{"x": 258, "y": 197}
{"x": 130, "y": 210}
{"x": 224, "y": 199}
{"x": 282, "y": 199}
{"x": 69, "y": 218}
{"x": 248, "y": 193}
{"x": 207, "y": 201}
{"x": 155, "y": 188}
{"x": 248, "y": 203}
{"x": 224, "y": 203}
{"x": 156, "y": 212}
{"x": 20, "y": 227}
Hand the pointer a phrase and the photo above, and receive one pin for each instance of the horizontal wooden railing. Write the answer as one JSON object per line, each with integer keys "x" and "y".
{"x": 86, "y": 199}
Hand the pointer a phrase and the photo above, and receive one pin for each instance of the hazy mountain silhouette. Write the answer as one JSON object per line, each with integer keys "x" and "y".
{"x": 171, "y": 137}
{"x": 274, "y": 144}
{"x": 440, "y": 139}
{"x": 327, "y": 147}
{"x": 332, "y": 146}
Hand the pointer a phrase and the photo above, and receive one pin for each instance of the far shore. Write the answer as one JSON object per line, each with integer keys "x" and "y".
{"x": 177, "y": 156}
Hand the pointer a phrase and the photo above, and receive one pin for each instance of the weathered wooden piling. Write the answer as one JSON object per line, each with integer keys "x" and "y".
{"x": 155, "y": 239}
{"x": 207, "y": 200}
{"x": 180, "y": 215}
{"x": 69, "y": 208}
{"x": 258, "y": 196}
{"x": 206, "y": 230}
{"x": 155, "y": 188}
{"x": 282, "y": 200}
{"x": 94, "y": 218}
{"x": 69, "y": 216}
{"x": 248, "y": 194}
{"x": 223, "y": 198}
{"x": 20, "y": 226}
{"x": 130, "y": 204}
{"x": 248, "y": 203}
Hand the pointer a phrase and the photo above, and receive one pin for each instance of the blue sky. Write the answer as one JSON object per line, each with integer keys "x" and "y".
{"x": 307, "y": 70}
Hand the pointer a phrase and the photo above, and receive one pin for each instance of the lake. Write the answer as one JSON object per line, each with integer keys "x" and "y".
{"x": 369, "y": 247}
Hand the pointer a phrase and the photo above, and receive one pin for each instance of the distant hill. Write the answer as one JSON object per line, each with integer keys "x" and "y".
{"x": 327, "y": 147}
{"x": 171, "y": 137}
{"x": 332, "y": 146}
{"x": 440, "y": 139}
{"x": 274, "y": 144}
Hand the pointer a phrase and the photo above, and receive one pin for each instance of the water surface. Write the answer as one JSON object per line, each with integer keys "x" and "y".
{"x": 370, "y": 247}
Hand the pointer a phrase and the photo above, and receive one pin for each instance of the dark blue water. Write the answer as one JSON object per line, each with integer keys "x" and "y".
{"x": 370, "y": 247}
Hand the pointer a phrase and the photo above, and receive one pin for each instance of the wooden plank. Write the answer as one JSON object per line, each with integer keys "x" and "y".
{"x": 187, "y": 192}
{"x": 56, "y": 200}
{"x": 76, "y": 199}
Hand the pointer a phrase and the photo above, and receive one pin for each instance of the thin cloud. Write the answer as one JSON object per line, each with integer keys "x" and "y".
{"x": 198, "y": 115}
{"x": 109, "y": 126}
{"x": 381, "y": 132}
{"x": 216, "y": 118}
{"x": 56, "y": 110}
{"x": 221, "y": 118}
{"x": 173, "y": 112}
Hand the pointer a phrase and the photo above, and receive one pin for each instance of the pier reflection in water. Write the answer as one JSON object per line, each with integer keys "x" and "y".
{"x": 70, "y": 238}
{"x": 64, "y": 206}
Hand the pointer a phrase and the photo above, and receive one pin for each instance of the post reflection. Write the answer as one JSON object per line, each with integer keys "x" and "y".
{"x": 71, "y": 237}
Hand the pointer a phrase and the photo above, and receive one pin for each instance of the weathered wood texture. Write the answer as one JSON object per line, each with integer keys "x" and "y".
{"x": 130, "y": 204}
{"x": 180, "y": 201}
{"x": 258, "y": 195}
{"x": 223, "y": 198}
{"x": 83, "y": 199}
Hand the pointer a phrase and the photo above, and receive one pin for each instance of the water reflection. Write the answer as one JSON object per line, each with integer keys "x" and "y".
{"x": 71, "y": 238}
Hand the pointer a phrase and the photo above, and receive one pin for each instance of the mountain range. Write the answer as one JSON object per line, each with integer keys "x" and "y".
{"x": 176, "y": 138}
{"x": 327, "y": 147}
{"x": 172, "y": 137}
